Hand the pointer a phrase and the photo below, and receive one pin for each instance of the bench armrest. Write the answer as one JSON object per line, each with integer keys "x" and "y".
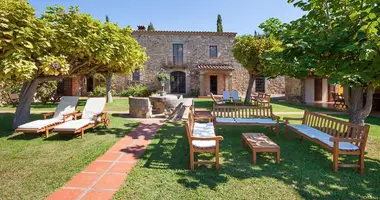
{"x": 287, "y": 119}
{"x": 217, "y": 138}
{"x": 78, "y": 114}
{"x": 47, "y": 114}
{"x": 275, "y": 117}
{"x": 335, "y": 139}
{"x": 69, "y": 114}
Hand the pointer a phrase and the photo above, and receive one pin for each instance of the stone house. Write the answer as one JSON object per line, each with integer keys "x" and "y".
{"x": 198, "y": 63}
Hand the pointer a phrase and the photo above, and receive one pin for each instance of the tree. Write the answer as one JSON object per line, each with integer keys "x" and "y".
{"x": 219, "y": 25}
{"x": 247, "y": 51}
{"x": 335, "y": 39}
{"x": 109, "y": 76}
{"x": 59, "y": 44}
{"x": 151, "y": 27}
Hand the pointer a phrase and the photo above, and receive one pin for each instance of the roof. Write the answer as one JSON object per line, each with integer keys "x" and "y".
{"x": 208, "y": 33}
{"x": 215, "y": 67}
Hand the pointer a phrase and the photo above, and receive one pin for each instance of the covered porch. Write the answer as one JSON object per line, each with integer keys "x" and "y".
{"x": 214, "y": 78}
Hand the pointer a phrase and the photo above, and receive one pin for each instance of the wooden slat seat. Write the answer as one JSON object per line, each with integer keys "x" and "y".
{"x": 336, "y": 136}
{"x": 246, "y": 116}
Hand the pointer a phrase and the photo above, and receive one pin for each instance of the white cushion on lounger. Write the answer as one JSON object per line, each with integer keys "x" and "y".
{"x": 225, "y": 120}
{"x": 219, "y": 102}
{"x": 255, "y": 120}
{"x": 323, "y": 137}
{"x": 73, "y": 125}
{"x": 67, "y": 104}
{"x": 38, "y": 124}
{"x": 93, "y": 107}
{"x": 226, "y": 96}
{"x": 235, "y": 95}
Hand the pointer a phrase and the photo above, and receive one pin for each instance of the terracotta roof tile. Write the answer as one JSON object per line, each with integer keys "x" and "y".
{"x": 215, "y": 67}
{"x": 208, "y": 33}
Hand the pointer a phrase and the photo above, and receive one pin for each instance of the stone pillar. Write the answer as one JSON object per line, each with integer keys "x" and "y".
{"x": 202, "y": 84}
{"x": 230, "y": 82}
{"x": 225, "y": 82}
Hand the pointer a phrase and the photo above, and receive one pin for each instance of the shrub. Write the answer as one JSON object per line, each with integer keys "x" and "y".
{"x": 99, "y": 91}
{"x": 162, "y": 76}
{"x": 46, "y": 90}
{"x": 194, "y": 92}
{"x": 136, "y": 91}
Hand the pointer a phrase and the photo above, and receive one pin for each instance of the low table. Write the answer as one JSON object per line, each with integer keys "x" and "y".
{"x": 259, "y": 142}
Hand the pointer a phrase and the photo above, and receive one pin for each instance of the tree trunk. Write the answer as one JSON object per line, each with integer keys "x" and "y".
{"x": 22, "y": 114}
{"x": 109, "y": 87}
{"x": 252, "y": 79}
{"x": 356, "y": 107}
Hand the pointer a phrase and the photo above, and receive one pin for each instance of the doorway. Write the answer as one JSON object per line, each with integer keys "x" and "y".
{"x": 214, "y": 84}
{"x": 177, "y": 54}
{"x": 178, "y": 82}
{"x": 318, "y": 89}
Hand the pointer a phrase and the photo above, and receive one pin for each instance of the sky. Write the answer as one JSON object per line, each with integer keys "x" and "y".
{"x": 241, "y": 16}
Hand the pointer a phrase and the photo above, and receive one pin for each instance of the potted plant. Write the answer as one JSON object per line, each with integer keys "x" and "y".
{"x": 162, "y": 77}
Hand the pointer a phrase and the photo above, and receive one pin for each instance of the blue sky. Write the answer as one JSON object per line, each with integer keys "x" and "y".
{"x": 241, "y": 16}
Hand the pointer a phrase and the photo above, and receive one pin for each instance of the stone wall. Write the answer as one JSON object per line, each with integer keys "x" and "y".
{"x": 276, "y": 86}
{"x": 294, "y": 89}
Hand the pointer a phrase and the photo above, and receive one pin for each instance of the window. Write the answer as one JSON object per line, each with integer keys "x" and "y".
{"x": 213, "y": 51}
{"x": 260, "y": 84}
{"x": 136, "y": 75}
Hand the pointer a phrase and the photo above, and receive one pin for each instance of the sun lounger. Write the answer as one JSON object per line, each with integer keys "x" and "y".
{"x": 235, "y": 97}
{"x": 226, "y": 96}
{"x": 63, "y": 112}
{"x": 91, "y": 116}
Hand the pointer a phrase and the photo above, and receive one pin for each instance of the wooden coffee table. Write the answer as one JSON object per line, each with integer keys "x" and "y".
{"x": 259, "y": 142}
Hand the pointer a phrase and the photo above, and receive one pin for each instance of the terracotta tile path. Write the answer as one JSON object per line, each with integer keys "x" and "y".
{"x": 103, "y": 177}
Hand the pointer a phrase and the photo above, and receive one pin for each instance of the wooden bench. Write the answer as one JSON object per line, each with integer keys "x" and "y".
{"x": 202, "y": 139}
{"x": 246, "y": 116}
{"x": 259, "y": 142}
{"x": 336, "y": 136}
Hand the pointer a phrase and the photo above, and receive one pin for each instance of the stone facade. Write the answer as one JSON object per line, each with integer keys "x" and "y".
{"x": 196, "y": 51}
{"x": 294, "y": 89}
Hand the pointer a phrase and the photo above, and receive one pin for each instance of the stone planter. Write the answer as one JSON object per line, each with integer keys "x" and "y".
{"x": 140, "y": 107}
{"x": 164, "y": 103}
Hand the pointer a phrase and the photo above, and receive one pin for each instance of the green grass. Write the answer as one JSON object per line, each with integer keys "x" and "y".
{"x": 278, "y": 106}
{"x": 33, "y": 167}
{"x": 304, "y": 173}
{"x": 116, "y": 105}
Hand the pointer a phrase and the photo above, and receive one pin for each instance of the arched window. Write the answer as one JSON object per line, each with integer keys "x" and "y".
{"x": 178, "y": 82}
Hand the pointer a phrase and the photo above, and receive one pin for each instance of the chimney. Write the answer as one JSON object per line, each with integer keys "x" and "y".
{"x": 141, "y": 28}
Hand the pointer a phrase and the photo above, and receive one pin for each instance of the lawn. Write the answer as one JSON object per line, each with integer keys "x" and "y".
{"x": 278, "y": 106}
{"x": 118, "y": 104}
{"x": 304, "y": 173}
{"x": 33, "y": 167}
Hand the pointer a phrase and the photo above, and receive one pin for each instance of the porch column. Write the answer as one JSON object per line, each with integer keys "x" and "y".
{"x": 201, "y": 84}
{"x": 230, "y": 82}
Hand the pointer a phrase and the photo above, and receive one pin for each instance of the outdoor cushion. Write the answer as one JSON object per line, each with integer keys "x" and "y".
{"x": 219, "y": 102}
{"x": 235, "y": 95}
{"x": 93, "y": 107}
{"x": 67, "y": 104}
{"x": 204, "y": 143}
{"x": 323, "y": 137}
{"x": 226, "y": 96}
{"x": 255, "y": 120}
{"x": 204, "y": 130}
{"x": 73, "y": 125}
{"x": 38, "y": 124}
{"x": 225, "y": 120}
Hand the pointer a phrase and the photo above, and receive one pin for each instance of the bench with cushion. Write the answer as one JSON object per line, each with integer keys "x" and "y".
{"x": 202, "y": 139}
{"x": 336, "y": 136}
{"x": 246, "y": 116}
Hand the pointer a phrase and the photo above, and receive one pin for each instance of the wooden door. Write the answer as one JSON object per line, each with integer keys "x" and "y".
{"x": 214, "y": 84}
{"x": 331, "y": 92}
{"x": 318, "y": 89}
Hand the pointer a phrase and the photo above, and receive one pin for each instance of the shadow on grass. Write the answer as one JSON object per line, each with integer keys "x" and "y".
{"x": 304, "y": 166}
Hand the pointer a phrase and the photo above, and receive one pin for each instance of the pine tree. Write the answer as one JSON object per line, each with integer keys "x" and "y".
{"x": 107, "y": 19}
{"x": 219, "y": 25}
{"x": 150, "y": 27}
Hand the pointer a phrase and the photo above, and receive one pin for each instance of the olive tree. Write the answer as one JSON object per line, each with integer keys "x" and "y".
{"x": 247, "y": 51}
{"x": 337, "y": 39}
{"x": 59, "y": 44}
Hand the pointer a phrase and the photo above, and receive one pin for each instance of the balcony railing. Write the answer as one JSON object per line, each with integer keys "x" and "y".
{"x": 176, "y": 60}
